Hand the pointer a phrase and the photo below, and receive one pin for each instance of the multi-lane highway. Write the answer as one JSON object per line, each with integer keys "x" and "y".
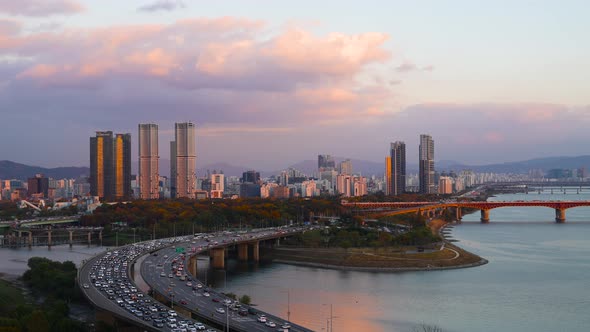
{"x": 105, "y": 280}
{"x": 194, "y": 296}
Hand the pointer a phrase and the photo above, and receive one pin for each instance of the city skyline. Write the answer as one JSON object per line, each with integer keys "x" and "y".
{"x": 494, "y": 101}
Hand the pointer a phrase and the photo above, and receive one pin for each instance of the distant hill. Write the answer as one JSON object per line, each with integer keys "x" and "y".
{"x": 12, "y": 170}
{"x": 544, "y": 164}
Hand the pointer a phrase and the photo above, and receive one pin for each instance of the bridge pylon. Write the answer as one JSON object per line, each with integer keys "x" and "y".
{"x": 560, "y": 216}
{"x": 485, "y": 216}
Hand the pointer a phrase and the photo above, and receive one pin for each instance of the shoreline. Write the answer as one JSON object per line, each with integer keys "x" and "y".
{"x": 437, "y": 226}
{"x": 483, "y": 261}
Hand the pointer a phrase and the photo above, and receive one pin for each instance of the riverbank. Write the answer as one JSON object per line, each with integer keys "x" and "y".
{"x": 440, "y": 256}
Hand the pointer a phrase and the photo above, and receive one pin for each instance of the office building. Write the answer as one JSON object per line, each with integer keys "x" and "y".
{"x": 251, "y": 177}
{"x": 426, "y": 163}
{"x": 101, "y": 165}
{"x": 395, "y": 169}
{"x": 122, "y": 166}
{"x": 149, "y": 174}
{"x": 326, "y": 163}
{"x": 183, "y": 159}
{"x": 284, "y": 179}
{"x": 38, "y": 186}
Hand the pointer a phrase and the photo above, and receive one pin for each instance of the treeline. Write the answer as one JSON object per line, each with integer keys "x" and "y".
{"x": 164, "y": 217}
{"x": 53, "y": 287}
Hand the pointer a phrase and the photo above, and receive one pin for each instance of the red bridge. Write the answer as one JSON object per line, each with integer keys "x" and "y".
{"x": 431, "y": 208}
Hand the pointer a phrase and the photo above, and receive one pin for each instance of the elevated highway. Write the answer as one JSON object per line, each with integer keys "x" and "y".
{"x": 119, "y": 261}
{"x": 205, "y": 302}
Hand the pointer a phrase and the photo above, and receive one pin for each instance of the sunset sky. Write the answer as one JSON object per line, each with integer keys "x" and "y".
{"x": 269, "y": 83}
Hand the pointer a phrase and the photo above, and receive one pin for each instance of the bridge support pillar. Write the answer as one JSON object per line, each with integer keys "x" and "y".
{"x": 560, "y": 215}
{"x": 192, "y": 265}
{"x": 485, "y": 216}
{"x": 49, "y": 239}
{"x": 20, "y": 234}
{"x": 243, "y": 252}
{"x": 256, "y": 251}
{"x": 71, "y": 238}
{"x": 218, "y": 255}
{"x": 459, "y": 214}
{"x": 30, "y": 239}
{"x": 100, "y": 237}
{"x": 89, "y": 238}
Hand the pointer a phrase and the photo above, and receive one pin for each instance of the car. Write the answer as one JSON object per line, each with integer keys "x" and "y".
{"x": 286, "y": 326}
{"x": 270, "y": 323}
{"x": 261, "y": 319}
{"x": 158, "y": 324}
{"x": 189, "y": 284}
{"x": 183, "y": 302}
{"x": 220, "y": 310}
{"x": 215, "y": 299}
{"x": 243, "y": 312}
{"x": 86, "y": 286}
{"x": 206, "y": 294}
{"x": 162, "y": 274}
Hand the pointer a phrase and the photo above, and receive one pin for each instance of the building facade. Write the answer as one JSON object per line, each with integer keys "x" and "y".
{"x": 38, "y": 186}
{"x": 149, "y": 174}
{"x": 396, "y": 169}
{"x": 426, "y": 163}
{"x": 183, "y": 167}
{"x": 101, "y": 165}
{"x": 122, "y": 166}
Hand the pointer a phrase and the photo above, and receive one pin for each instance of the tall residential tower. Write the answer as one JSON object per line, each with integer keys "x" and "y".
{"x": 426, "y": 162}
{"x": 148, "y": 161}
{"x": 396, "y": 169}
{"x": 183, "y": 159}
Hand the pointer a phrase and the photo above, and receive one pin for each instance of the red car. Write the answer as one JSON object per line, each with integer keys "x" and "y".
{"x": 215, "y": 300}
{"x": 183, "y": 302}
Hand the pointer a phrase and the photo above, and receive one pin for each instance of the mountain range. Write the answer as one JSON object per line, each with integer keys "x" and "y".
{"x": 13, "y": 170}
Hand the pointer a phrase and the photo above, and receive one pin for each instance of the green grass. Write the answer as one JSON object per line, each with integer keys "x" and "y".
{"x": 10, "y": 297}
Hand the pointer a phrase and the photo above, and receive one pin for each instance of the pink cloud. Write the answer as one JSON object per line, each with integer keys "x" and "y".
{"x": 40, "y": 7}
{"x": 244, "y": 70}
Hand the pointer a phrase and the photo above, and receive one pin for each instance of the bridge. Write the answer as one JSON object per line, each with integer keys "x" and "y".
{"x": 39, "y": 221}
{"x": 432, "y": 208}
{"x": 22, "y": 236}
{"x": 157, "y": 258}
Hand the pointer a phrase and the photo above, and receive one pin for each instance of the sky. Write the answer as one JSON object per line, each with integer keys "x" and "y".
{"x": 269, "y": 83}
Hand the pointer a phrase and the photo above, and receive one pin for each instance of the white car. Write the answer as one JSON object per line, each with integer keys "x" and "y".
{"x": 220, "y": 310}
{"x": 86, "y": 286}
{"x": 262, "y": 319}
{"x": 206, "y": 294}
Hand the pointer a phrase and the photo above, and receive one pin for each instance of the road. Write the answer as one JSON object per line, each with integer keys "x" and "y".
{"x": 152, "y": 268}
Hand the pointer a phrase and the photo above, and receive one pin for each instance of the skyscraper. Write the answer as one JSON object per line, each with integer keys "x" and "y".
{"x": 426, "y": 162}
{"x": 122, "y": 166}
{"x": 101, "y": 165}
{"x": 148, "y": 161}
{"x": 326, "y": 162}
{"x": 396, "y": 180}
{"x": 183, "y": 169}
{"x": 38, "y": 185}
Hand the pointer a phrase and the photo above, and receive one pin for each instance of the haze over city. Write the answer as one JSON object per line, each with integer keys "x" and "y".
{"x": 269, "y": 83}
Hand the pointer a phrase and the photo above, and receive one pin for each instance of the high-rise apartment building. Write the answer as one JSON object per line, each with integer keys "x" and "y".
{"x": 122, "y": 166}
{"x": 426, "y": 162}
{"x": 149, "y": 174}
{"x": 346, "y": 167}
{"x": 183, "y": 159}
{"x": 395, "y": 169}
{"x": 251, "y": 177}
{"x": 101, "y": 165}
{"x": 445, "y": 185}
{"x": 217, "y": 181}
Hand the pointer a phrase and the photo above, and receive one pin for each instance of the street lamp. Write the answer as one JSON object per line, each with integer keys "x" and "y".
{"x": 330, "y": 319}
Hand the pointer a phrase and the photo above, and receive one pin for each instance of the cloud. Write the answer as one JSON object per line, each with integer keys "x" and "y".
{"x": 224, "y": 70}
{"x": 408, "y": 66}
{"x": 9, "y": 27}
{"x": 167, "y": 5}
{"x": 40, "y": 7}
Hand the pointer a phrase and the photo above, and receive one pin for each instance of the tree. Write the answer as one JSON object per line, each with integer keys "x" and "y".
{"x": 245, "y": 299}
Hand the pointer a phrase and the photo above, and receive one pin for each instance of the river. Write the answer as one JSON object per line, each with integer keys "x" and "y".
{"x": 538, "y": 279}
